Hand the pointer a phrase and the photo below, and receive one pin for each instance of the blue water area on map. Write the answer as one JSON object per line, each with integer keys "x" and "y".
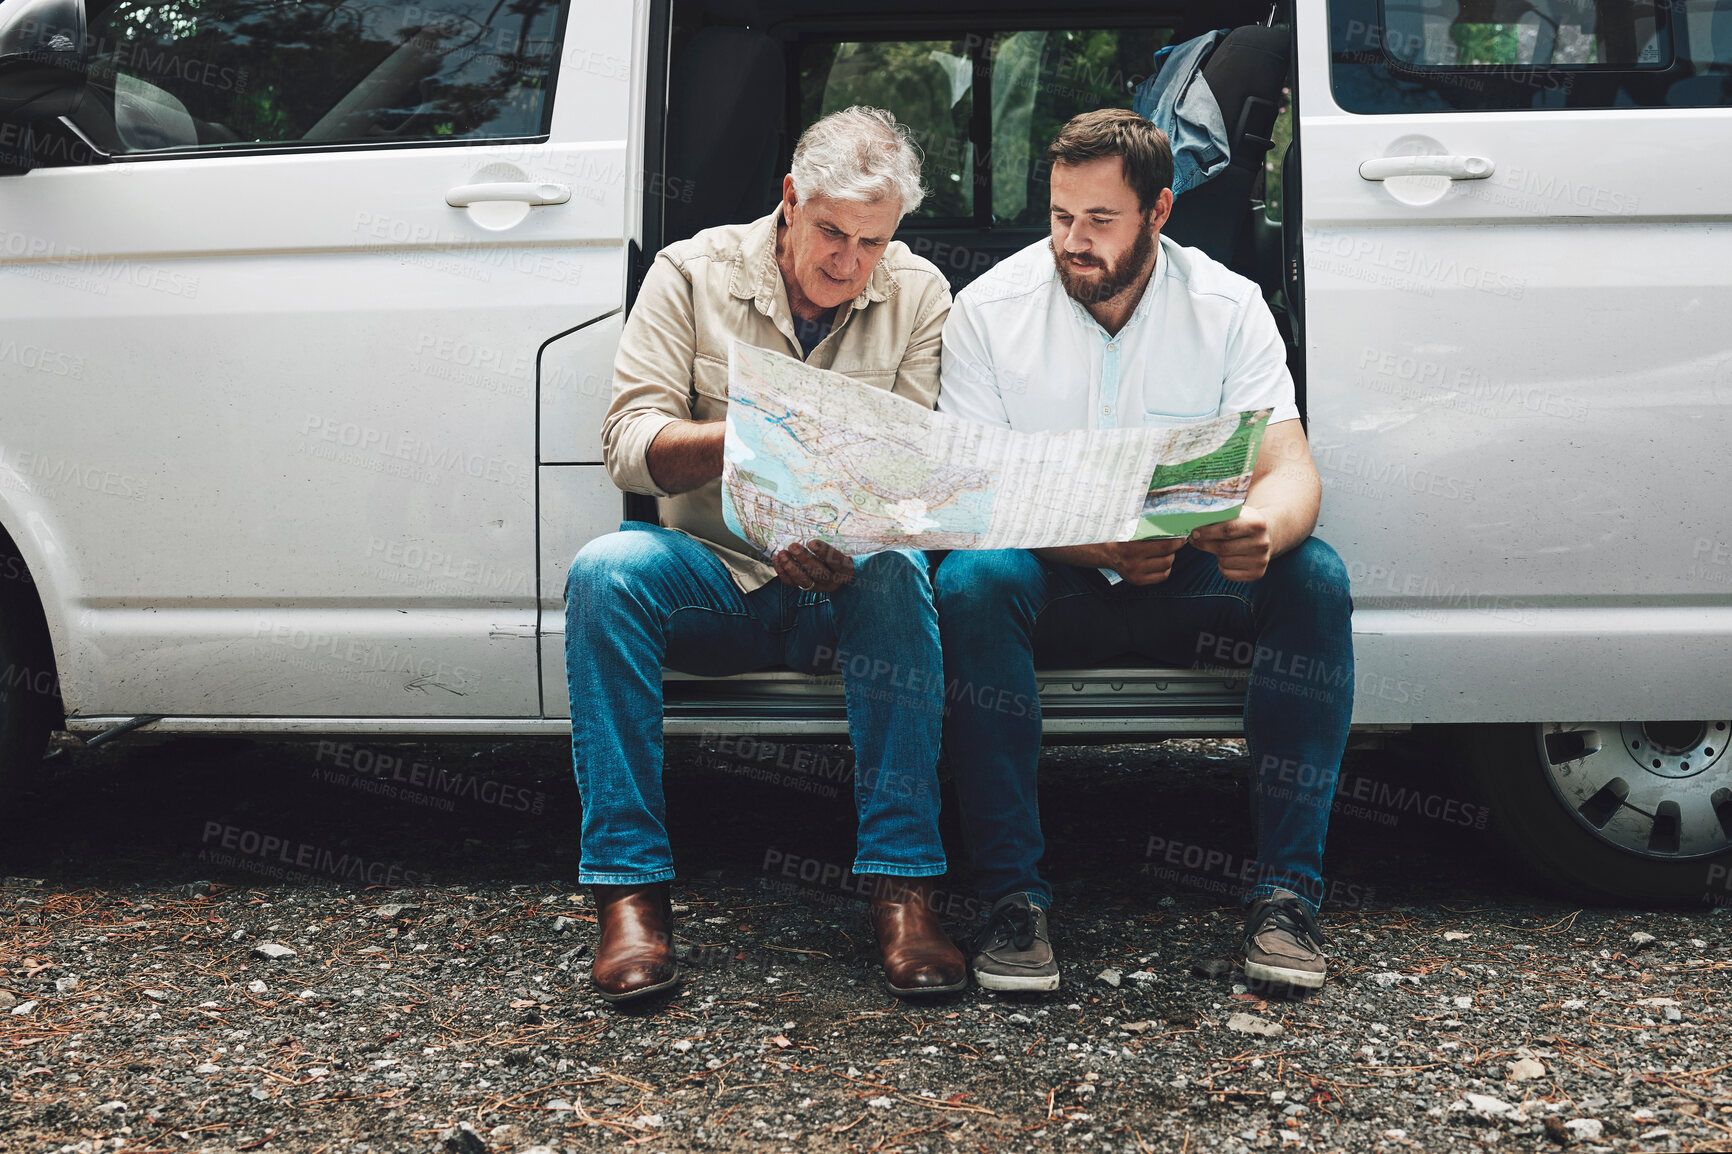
{"x": 774, "y": 455}
{"x": 767, "y": 464}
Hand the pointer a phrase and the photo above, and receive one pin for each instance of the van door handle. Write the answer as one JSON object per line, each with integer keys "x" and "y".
{"x": 1454, "y": 167}
{"x": 522, "y": 192}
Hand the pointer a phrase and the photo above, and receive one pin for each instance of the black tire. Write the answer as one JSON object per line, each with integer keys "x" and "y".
{"x": 1536, "y": 824}
{"x": 29, "y": 692}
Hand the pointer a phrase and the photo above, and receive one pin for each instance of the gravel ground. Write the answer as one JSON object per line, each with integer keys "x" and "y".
{"x": 431, "y": 993}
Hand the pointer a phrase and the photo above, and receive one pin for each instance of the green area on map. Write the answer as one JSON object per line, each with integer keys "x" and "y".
{"x": 1206, "y": 489}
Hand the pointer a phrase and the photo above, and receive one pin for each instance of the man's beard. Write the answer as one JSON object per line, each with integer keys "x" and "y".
{"x": 1118, "y": 278}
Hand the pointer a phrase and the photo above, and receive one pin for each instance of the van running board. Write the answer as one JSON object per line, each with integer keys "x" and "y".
{"x": 1118, "y": 705}
{"x": 1121, "y": 704}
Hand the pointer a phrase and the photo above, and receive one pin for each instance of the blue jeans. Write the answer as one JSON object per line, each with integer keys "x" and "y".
{"x": 1003, "y": 612}
{"x": 647, "y": 597}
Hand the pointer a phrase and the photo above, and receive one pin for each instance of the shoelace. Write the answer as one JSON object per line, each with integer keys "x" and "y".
{"x": 1013, "y": 924}
{"x": 1290, "y": 915}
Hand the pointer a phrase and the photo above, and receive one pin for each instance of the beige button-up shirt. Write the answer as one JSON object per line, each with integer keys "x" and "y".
{"x": 724, "y": 284}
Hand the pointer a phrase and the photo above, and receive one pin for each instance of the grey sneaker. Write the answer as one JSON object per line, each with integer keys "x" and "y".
{"x": 1013, "y": 951}
{"x": 1283, "y": 946}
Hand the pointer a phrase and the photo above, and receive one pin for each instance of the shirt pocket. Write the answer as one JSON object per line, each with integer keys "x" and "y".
{"x": 1179, "y": 411}
{"x": 1180, "y": 418}
{"x": 1184, "y": 392}
{"x": 709, "y": 389}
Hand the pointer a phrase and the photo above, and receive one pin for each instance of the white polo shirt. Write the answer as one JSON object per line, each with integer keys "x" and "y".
{"x": 1020, "y": 353}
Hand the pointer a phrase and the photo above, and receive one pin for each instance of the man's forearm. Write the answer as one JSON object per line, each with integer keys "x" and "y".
{"x": 1289, "y": 500}
{"x": 686, "y": 455}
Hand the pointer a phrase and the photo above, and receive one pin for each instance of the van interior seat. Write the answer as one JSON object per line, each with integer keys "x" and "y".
{"x": 1246, "y": 72}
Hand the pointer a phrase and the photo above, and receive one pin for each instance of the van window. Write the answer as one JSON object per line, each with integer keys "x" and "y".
{"x": 1560, "y": 33}
{"x": 927, "y": 84}
{"x": 981, "y": 105}
{"x": 178, "y": 75}
{"x": 1403, "y": 56}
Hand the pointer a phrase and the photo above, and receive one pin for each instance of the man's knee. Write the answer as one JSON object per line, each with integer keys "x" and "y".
{"x": 1315, "y": 572}
{"x": 897, "y": 574}
{"x": 985, "y": 578}
{"x": 609, "y": 560}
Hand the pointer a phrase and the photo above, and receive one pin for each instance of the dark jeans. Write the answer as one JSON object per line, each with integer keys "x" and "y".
{"x": 1002, "y": 613}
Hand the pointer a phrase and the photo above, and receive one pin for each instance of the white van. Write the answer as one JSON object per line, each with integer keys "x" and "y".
{"x": 310, "y": 312}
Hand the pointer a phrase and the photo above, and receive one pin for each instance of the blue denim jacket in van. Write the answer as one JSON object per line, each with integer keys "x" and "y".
{"x": 1180, "y": 103}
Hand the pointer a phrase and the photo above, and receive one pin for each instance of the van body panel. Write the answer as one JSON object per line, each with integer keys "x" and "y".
{"x": 1518, "y": 391}
{"x": 578, "y": 504}
{"x": 290, "y": 468}
{"x": 1435, "y": 666}
{"x": 575, "y": 386}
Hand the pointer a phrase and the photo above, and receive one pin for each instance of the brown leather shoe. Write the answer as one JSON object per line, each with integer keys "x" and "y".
{"x": 636, "y": 954}
{"x": 919, "y": 957}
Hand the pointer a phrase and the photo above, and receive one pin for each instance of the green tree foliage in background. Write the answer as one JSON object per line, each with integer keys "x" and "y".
{"x": 1485, "y": 44}
{"x": 1035, "y": 81}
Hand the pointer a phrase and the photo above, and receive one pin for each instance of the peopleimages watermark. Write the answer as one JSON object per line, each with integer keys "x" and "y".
{"x": 41, "y": 359}
{"x": 1294, "y": 674}
{"x": 1219, "y": 872}
{"x": 299, "y": 860}
{"x": 908, "y": 688}
{"x": 44, "y": 682}
{"x": 458, "y": 253}
{"x": 1436, "y": 597}
{"x": 417, "y": 782}
{"x": 410, "y": 562}
{"x": 829, "y": 876}
{"x": 1457, "y": 387}
{"x": 133, "y": 58}
{"x": 1358, "y": 796}
{"x": 1368, "y": 43}
{"x": 804, "y": 769}
{"x": 1710, "y": 561}
{"x": 1368, "y": 258}
{"x": 775, "y": 763}
{"x": 1342, "y": 468}
{"x": 82, "y": 269}
{"x": 1719, "y": 879}
{"x": 402, "y": 454}
{"x": 483, "y": 367}
{"x": 21, "y": 467}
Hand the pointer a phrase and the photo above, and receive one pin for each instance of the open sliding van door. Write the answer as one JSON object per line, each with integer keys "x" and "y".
{"x": 1518, "y": 267}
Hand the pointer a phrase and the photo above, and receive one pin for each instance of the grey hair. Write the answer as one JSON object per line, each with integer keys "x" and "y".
{"x": 859, "y": 154}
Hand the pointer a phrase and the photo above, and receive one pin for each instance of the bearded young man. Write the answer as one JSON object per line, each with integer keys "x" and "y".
{"x": 1109, "y": 324}
{"x": 821, "y": 279}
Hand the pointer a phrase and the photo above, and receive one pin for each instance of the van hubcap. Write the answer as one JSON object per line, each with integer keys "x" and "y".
{"x": 1659, "y": 789}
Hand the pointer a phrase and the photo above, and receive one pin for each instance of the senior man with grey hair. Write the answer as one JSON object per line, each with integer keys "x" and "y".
{"x": 819, "y": 278}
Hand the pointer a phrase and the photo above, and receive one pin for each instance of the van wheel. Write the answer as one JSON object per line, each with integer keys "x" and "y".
{"x": 1635, "y": 812}
{"x": 28, "y": 704}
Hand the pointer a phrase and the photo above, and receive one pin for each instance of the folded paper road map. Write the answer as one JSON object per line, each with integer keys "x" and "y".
{"x": 814, "y": 455}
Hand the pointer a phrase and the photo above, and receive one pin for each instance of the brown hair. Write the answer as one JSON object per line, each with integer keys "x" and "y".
{"x": 1143, "y": 149}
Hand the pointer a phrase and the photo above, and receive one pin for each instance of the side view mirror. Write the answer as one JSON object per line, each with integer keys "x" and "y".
{"x": 44, "y": 54}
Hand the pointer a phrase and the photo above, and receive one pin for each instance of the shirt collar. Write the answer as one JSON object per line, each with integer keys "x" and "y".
{"x": 758, "y": 278}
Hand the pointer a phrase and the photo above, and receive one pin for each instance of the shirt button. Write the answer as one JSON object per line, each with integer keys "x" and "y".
{"x": 1107, "y": 410}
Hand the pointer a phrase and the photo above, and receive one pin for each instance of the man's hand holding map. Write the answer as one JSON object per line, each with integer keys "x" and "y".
{"x": 814, "y": 455}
